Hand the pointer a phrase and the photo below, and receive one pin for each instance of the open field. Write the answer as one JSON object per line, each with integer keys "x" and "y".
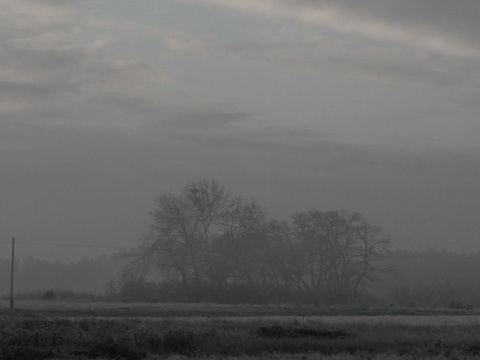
{"x": 160, "y": 310}
{"x": 60, "y": 330}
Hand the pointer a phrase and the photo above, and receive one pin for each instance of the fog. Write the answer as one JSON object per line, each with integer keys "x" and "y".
{"x": 370, "y": 107}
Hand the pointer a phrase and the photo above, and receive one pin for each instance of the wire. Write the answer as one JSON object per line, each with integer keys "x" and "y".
{"x": 392, "y": 256}
{"x": 73, "y": 245}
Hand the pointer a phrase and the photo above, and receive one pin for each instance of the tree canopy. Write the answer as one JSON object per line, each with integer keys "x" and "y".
{"x": 206, "y": 237}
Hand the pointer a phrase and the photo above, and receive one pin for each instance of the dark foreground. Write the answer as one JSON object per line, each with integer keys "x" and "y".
{"x": 33, "y": 334}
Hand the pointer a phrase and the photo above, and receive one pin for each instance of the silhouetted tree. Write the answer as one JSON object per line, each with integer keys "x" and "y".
{"x": 341, "y": 250}
{"x": 200, "y": 236}
{"x": 210, "y": 241}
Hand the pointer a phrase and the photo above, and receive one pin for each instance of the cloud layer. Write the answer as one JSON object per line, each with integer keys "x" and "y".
{"x": 442, "y": 26}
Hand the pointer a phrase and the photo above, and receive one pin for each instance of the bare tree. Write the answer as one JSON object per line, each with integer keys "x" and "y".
{"x": 283, "y": 258}
{"x": 206, "y": 201}
{"x": 205, "y": 236}
{"x": 341, "y": 250}
{"x": 199, "y": 236}
{"x": 309, "y": 232}
{"x": 238, "y": 247}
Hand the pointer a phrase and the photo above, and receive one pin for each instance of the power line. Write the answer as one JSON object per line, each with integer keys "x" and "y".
{"x": 392, "y": 256}
{"x": 70, "y": 245}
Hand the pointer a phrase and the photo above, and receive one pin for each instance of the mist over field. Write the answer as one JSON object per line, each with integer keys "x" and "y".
{"x": 423, "y": 280}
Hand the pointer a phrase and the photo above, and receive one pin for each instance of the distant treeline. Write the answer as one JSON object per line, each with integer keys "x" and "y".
{"x": 32, "y": 274}
{"x": 421, "y": 279}
{"x": 430, "y": 278}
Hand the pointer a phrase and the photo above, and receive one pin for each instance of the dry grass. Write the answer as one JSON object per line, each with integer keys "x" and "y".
{"x": 137, "y": 339}
{"x": 73, "y": 331}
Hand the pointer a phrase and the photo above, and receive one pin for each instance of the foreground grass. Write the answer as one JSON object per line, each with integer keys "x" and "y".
{"x": 24, "y": 338}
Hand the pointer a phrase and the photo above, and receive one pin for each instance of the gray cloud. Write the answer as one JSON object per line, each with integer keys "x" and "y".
{"x": 383, "y": 20}
{"x": 70, "y": 85}
{"x": 372, "y": 40}
{"x": 371, "y": 62}
{"x": 452, "y": 19}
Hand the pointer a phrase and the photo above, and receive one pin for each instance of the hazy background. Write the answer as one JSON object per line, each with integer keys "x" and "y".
{"x": 371, "y": 105}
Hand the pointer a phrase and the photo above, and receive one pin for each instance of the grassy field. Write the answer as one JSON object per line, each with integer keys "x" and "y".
{"x": 158, "y": 310}
{"x": 60, "y": 330}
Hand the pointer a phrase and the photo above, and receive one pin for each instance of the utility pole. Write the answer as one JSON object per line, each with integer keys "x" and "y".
{"x": 11, "y": 274}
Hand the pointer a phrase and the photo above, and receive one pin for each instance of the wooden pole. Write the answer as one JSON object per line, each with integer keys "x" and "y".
{"x": 11, "y": 274}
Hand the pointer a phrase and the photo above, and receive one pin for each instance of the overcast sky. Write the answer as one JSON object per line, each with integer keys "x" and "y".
{"x": 366, "y": 105}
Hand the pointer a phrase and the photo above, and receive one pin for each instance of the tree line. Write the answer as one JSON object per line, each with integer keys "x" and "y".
{"x": 205, "y": 241}
{"x": 36, "y": 275}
